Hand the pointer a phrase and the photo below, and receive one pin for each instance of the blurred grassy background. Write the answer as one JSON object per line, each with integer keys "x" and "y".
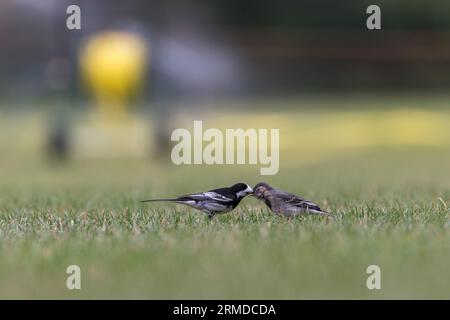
{"x": 85, "y": 123}
{"x": 390, "y": 195}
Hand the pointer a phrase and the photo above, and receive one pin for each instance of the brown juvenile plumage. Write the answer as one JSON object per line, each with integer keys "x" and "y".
{"x": 285, "y": 203}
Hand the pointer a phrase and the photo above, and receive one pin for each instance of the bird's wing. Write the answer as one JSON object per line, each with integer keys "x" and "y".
{"x": 207, "y": 196}
{"x": 297, "y": 201}
{"x": 304, "y": 204}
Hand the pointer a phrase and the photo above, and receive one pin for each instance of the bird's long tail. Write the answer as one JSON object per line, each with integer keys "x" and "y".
{"x": 317, "y": 210}
{"x": 155, "y": 200}
{"x": 327, "y": 214}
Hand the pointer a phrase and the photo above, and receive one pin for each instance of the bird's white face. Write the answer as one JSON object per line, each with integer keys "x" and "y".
{"x": 244, "y": 193}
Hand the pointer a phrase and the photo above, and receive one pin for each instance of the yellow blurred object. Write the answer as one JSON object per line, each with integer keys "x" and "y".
{"x": 113, "y": 67}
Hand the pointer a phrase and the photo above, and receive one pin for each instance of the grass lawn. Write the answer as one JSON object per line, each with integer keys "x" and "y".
{"x": 391, "y": 206}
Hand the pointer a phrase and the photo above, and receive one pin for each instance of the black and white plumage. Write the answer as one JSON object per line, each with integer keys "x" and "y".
{"x": 215, "y": 201}
{"x": 285, "y": 203}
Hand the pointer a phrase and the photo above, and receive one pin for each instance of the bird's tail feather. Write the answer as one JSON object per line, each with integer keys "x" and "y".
{"x": 327, "y": 214}
{"x": 321, "y": 212}
{"x": 155, "y": 200}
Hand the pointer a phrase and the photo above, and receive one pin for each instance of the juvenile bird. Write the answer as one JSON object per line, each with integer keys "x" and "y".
{"x": 214, "y": 201}
{"x": 284, "y": 203}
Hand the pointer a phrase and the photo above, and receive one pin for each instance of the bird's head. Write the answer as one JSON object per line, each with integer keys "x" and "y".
{"x": 260, "y": 189}
{"x": 241, "y": 190}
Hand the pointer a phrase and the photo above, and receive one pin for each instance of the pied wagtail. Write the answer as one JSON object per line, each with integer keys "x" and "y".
{"x": 214, "y": 201}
